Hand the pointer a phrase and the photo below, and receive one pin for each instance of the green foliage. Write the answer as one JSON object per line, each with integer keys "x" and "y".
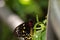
{"x": 41, "y": 33}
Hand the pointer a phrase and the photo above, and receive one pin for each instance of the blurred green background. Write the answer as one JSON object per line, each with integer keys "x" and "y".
{"x": 6, "y": 33}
